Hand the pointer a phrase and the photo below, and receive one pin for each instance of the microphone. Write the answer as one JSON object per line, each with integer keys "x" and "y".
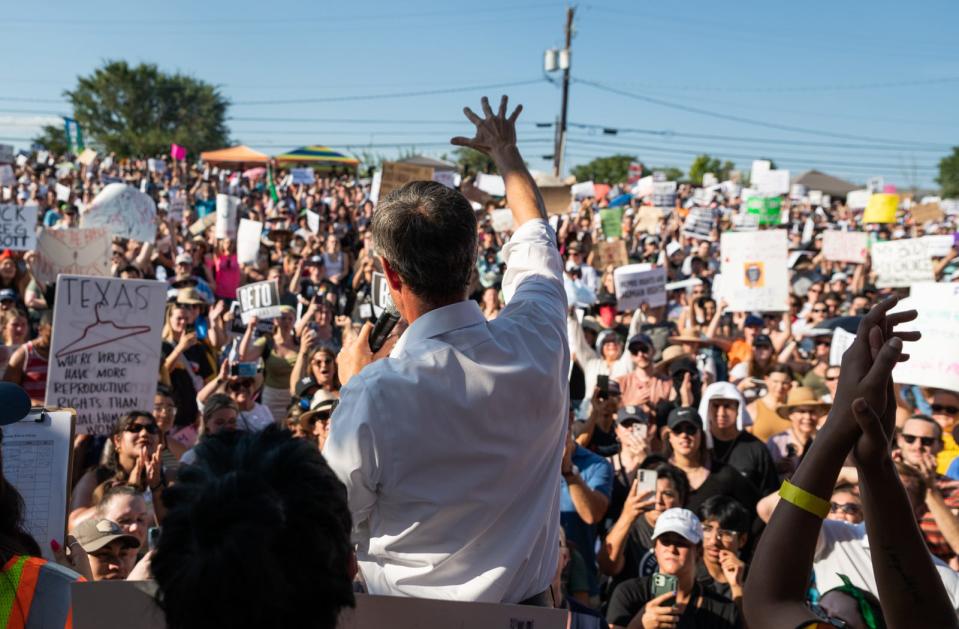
{"x": 384, "y": 326}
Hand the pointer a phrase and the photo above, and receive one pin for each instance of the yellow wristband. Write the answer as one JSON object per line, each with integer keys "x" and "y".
{"x": 804, "y": 500}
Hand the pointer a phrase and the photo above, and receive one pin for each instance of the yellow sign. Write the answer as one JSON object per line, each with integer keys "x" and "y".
{"x": 881, "y": 208}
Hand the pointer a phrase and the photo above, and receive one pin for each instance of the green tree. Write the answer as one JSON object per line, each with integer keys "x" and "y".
{"x": 949, "y": 174}
{"x": 705, "y": 164}
{"x": 53, "y": 138}
{"x": 672, "y": 173}
{"x": 611, "y": 169}
{"x": 140, "y": 110}
{"x": 472, "y": 161}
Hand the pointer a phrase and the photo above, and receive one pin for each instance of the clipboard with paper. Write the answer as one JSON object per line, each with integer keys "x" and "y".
{"x": 38, "y": 461}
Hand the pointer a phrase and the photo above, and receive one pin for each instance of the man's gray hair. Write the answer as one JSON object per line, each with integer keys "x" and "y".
{"x": 427, "y": 232}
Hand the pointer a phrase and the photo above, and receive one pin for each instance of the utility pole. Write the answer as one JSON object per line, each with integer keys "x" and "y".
{"x": 564, "y": 63}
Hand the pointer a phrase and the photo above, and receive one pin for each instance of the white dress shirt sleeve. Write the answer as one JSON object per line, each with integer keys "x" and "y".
{"x": 534, "y": 268}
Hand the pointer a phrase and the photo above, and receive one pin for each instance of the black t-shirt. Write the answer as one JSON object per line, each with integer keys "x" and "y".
{"x": 749, "y": 455}
{"x": 638, "y": 557}
{"x": 706, "y": 609}
{"x": 724, "y": 480}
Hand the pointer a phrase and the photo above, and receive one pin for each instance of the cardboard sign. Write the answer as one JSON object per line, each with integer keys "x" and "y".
{"x": 858, "y": 199}
{"x": 396, "y": 175}
{"x": 491, "y": 184}
{"x": 84, "y": 251}
{"x": 933, "y": 359}
{"x": 87, "y": 157}
{"x": 313, "y": 221}
{"x": 302, "y": 176}
{"x": 664, "y": 194}
{"x": 612, "y": 221}
{"x": 881, "y": 208}
{"x": 502, "y": 220}
{"x": 938, "y": 245}
{"x": 177, "y": 206}
{"x": 248, "y": 241}
{"x": 200, "y": 226}
{"x": 772, "y": 183}
{"x": 226, "y": 212}
{"x": 838, "y": 246}
{"x": 901, "y": 262}
{"x": 649, "y": 219}
{"x": 700, "y": 223}
{"x": 754, "y": 270}
{"x": 259, "y": 299}
{"x": 379, "y": 293}
{"x": 643, "y": 187}
{"x": 105, "y": 350}
{"x": 925, "y": 212}
{"x": 124, "y": 210}
{"x": 841, "y": 340}
{"x": 638, "y": 284}
{"x": 612, "y": 253}
{"x": 768, "y": 210}
{"x": 556, "y": 198}
{"x": 18, "y": 227}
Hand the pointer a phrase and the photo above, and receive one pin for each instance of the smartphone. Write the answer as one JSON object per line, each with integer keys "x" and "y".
{"x": 189, "y": 327}
{"x": 153, "y": 537}
{"x": 602, "y": 382}
{"x": 645, "y": 482}
{"x": 243, "y": 370}
{"x": 640, "y": 430}
{"x": 663, "y": 583}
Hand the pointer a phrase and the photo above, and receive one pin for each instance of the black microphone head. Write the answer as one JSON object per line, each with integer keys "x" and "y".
{"x": 14, "y": 403}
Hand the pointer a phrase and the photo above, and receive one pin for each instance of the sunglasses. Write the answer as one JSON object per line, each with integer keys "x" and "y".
{"x": 925, "y": 441}
{"x": 727, "y": 404}
{"x": 240, "y": 385}
{"x": 832, "y": 378}
{"x": 823, "y": 343}
{"x": 819, "y": 310}
{"x": 135, "y": 428}
{"x": 942, "y": 408}
{"x": 685, "y": 429}
{"x": 850, "y": 508}
{"x": 639, "y": 349}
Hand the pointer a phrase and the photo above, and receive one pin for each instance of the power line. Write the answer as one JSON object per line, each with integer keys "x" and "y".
{"x": 836, "y": 87}
{"x": 334, "y": 99}
{"x": 748, "y": 121}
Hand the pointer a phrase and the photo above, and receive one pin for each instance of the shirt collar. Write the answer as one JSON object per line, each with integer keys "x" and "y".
{"x": 439, "y": 321}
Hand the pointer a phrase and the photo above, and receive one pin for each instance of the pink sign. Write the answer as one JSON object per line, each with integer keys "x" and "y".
{"x": 889, "y": 188}
{"x": 177, "y": 151}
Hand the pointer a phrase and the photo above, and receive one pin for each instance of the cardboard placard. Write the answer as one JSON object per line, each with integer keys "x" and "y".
{"x": 839, "y": 246}
{"x": 638, "y": 284}
{"x": 7, "y": 177}
{"x": 934, "y": 358}
{"x": 556, "y": 198}
{"x": 18, "y": 227}
{"x": 754, "y": 270}
{"x": 841, "y": 340}
{"x": 901, "y": 262}
{"x": 396, "y": 175}
{"x": 227, "y": 207}
{"x": 610, "y": 253}
{"x": 259, "y": 299}
{"x": 84, "y": 251}
{"x": 105, "y": 349}
{"x": 200, "y": 226}
{"x": 649, "y": 219}
{"x": 925, "y": 212}
{"x": 313, "y": 221}
{"x": 124, "y": 210}
{"x": 881, "y": 208}
{"x": 248, "y": 241}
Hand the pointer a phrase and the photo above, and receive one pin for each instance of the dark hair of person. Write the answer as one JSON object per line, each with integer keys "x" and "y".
{"x": 780, "y": 368}
{"x": 422, "y": 227}
{"x": 846, "y": 488}
{"x": 261, "y": 515}
{"x": 677, "y": 477}
{"x": 14, "y": 538}
{"x": 164, "y": 391}
{"x": 926, "y": 418}
{"x": 113, "y": 492}
{"x": 727, "y": 512}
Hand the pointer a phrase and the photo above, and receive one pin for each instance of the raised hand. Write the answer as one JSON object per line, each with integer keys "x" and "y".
{"x": 494, "y": 132}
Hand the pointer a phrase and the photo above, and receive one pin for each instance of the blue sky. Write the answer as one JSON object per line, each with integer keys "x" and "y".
{"x": 855, "y": 89}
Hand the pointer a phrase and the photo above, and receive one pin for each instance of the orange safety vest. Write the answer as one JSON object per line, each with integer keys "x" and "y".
{"x": 35, "y": 593}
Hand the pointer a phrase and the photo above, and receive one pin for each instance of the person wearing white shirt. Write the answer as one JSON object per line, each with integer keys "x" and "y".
{"x": 449, "y": 442}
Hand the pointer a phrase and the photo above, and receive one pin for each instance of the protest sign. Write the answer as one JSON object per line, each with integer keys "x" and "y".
{"x": 797, "y": 191}
{"x": 745, "y": 222}
{"x": 493, "y": 185}
{"x": 638, "y": 284}
{"x": 611, "y": 253}
{"x": 177, "y": 205}
{"x": 772, "y": 183}
{"x": 313, "y": 221}
{"x": 259, "y": 299}
{"x": 934, "y": 358}
{"x": 754, "y": 271}
{"x": 177, "y": 152}
{"x": 664, "y": 194}
{"x": 925, "y": 212}
{"x": 375, "y": 185}
{"x": 700, "y": 223}
{"x": 815, "y": 197}
{"x": 709, "y": 179}
{"x": 200, "y": 226}
{"x": 7, "y": 177}
{"x": 901, "y": 262}
{"x": 643, "y": 187}
{"x": 105, "y": 349}
{"x": 248, "y": 241}
{"x": 858, "y": 199}
{"x": 396, "y": 175}
{"x": 18, "y": 227}
{"x": 583, "y": 190}
{"x": 760, "y": 167}
{"x": 881, "y": 208}
{"x": 87, "y": 156}
{"x": 841, "y": 340}
{"x": 445, "y": 177}
{"x": 302, "y": 176}
{"x": 556, "y": 198}
{"x": 379, "y": 293}
{"x": 123, "y": 210}
{"x": 156, "y": 165}
{"x": 502, "y": 219}
{"x": 634, "y": 172}
{"x": 839, "y": 246}
{"x": 612, "y": 221}
{"x": 767, "y": 209}
{"x": 648, "y": 219}
{"x": 84, "y": 251}
{"x": 938, "y": 245}
{"x": 6, "y": 154}
{"x": 950, "y": 206}
{"x": 63, "y": 192}
{"x": 226, "y": 211}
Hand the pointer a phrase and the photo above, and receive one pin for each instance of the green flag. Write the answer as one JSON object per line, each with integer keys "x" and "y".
{"x": 271, "y": 183}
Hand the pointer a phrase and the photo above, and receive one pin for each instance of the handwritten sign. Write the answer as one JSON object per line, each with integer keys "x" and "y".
{"x": 841, "y": 340}
{"x": 248, "y": 241}
{"x": 18, "y": 227}
{"x": 933, "y": 359}
{"x": 302, "y": 176}
{"x": 226, "y": 211}
{"x": 84, "y": 251}
{"x": 881, "y": 208}
{"x": 839, "y": 246}
{"x": 612, "y": 253}
{"x": 638, "y": 284}
{"x": 772, "y": 182}
{"x": 259, "y": 299}
{"x": 649, "y": 219}
{"x": 938, "y": 245}
{"x": 123, "y": 210}
{"x": 105, "y": 350}
{"x": 902, "y": 262}
{"x": 926, "y": 212}
{"x": 396, "y": 175}
{"x": 754, "y": 270}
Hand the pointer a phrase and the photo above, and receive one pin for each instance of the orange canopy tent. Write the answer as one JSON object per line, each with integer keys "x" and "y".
{"x": 233, "y": 156}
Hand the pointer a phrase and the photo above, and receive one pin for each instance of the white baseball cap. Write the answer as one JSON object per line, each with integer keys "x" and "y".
{"x": 672, "y": 247}
{"x": 683, "y": 522}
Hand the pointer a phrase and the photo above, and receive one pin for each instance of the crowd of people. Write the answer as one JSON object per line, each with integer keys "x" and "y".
{"x": 684, "y": 421}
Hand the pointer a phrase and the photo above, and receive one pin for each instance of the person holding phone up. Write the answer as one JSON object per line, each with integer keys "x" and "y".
{"x": 672, "y": 598}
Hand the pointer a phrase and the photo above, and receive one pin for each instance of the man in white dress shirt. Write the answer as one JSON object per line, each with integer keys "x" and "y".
{"x": 450, "y": 446}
